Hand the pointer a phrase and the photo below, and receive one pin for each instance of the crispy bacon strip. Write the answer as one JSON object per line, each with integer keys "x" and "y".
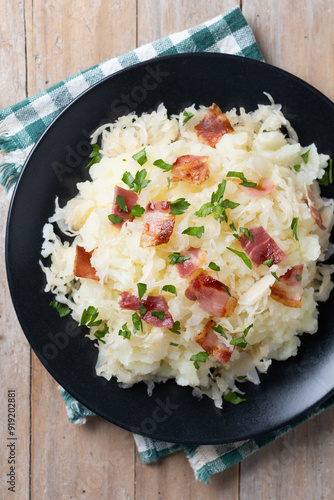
{"x": 82, "y": 266}
{"x": 213, "y": 126}
{"x": 190, "y": 168}
{"x": 208, "y": 339}
{"x": 288, "y": 290}
{"x": 152, "y": 303}
{"x": 212, "y": 295}
{"x": 189, "y": 266}
{"x": 265, "y": 186}
{"x": 262, "y": 248}
{"x": 314, "y": 212}
{"x": 158, "y": 224}
{"x": 131, "y": 199}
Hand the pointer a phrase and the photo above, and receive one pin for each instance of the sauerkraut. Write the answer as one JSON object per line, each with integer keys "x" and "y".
{"x": 263, "y": 145}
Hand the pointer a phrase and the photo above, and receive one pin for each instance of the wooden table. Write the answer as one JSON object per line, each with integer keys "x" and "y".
{"x": 42, "y": 42}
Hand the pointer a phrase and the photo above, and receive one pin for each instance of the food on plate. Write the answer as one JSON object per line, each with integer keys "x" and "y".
{"x": 196, "y": 248}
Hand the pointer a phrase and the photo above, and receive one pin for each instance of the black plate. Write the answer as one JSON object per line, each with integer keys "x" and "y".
{"x": 291, "y": 388}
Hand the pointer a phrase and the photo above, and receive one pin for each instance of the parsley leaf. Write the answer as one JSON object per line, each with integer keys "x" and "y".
{"x": 229, "y": 204}
{"x": 240, "y": 175}
{"x": 176, "y": 257}
{"x": 170, "y": 289}
{"x": 232, "y": 227}
{"x": 298, "y": 277}
{"x": 95, "y": 155}
{"x": 305, "y": 156}
{"x": 294, "y": 224}
{"x": 275, "y": 276}
{"x": 120, "y": 200}
{"x": 62, "y": 310}
{"x": 242, "y": 256}
{"x": 173, "y": 344}
{"x": 142, "y": 309}
{"x": 179, "y": 206}
{"x": 246, "y": 233}
{"x": 115, "y": 219}
{"x": 140, "y": 157}
{"x": 297, "y": 167}
{"x": 136, "y": 211}
{"x": 175, "y": 328}
{"x": 206, "y": 209}
{"x": 226, "y": 289}
{"x": 137, "y": 323}
{"x": 187, "y": 116}
{"x": 166, "y": 167}
{"x": 125, "y": 332}
{"x": 138, "y": 183}
{"x": 328, "y": 176}
{"x": 219, "y": 329}
{"x": 217, "y": 196}
{"x": 168, "y": 182}
{"x": 246, "y": 330}
{"x": 200, "y": 357}
{"x": 268, "y": 262}
{"x": 194, "y": 231}
{"x": 158, "y": 314}
{"x": 89, "y": 317}
{"x": 214, "y": 266}
{"x": 233, "y": 398}
{"x": 99, "y": 334}
{"x": 141, "y": 289}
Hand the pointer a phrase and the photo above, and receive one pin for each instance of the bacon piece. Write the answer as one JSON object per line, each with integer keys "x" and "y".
{"x": 131, "y": 199}
{"x": 152, "y": 303}
{"x": 190, "y": 168}
{"x": 265, "y": 186}
{"x": 158, "y": 224}
{"x": 262, "y": 248}
{"x": 209, "y": 341}
{"x": 314, "y": 212}
{"x": 213, "y": 126}
{"x": 212, "y": 295}
{"x": 288, "y": 289}
{"x": 189, "y": 266}
{"x": 82, "y": 266}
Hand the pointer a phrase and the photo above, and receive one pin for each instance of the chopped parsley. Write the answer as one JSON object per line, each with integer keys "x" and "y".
{"x": 242, "y": 377}
{"x": 328, "y": 175}
{"x": 138, "y": 183}
{"x": 99, "y": 334}
{"x": 125, "y": 332}
{"x": 95, "y": 155}
{"x": 298, "y": 277}
{"x": 241, "y": 341}
{"x": 176, "y": 328}
{"x": 194, "y": 231}
{"x": 62, "y": 310}
{"x": 187, "y": 115}
{"x": 115, "y": 219}
{"x": 89, "y": 317}
{"x": 140, "y": 157}
{"x": 170, "y": 289}
{"x": 233, "y": 398}
{"x": 297, "y": 167}
{"x": 179, "y": 206}
{"x": 137, "y": 323}
{"x": 214, "y": 266}
{"x": 240, "y": 175}
{"x": 294, "y": 224}
{"x": 177, "y": 258}
{"x": 141, "y": 289}
{"x": 158, "y": 314}
{"x": 232, "y": 227}
{"x": 226, "y": 289}
{"x": 120, "y": 200}
{"x": 219, "y": 329}
{"x": 305, "y": 156}
{"x": 166, "y": 167}
{"x": 217, "y": 205}
{"x": 142, "y": 309}
{"x": 200, "y": 357}
{"x": 173, "y": 344}
{"x": 268, "y": 262}
{"x": 275, "y": 276}
{"x": 168, "y": 182}
{"x": 242, "y": 256}
{"x": 246, "y": 232}
{"x": 136, "y": 211}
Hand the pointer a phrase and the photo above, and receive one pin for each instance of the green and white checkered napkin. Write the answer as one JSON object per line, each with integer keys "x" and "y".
{"x": 21, "y": 126}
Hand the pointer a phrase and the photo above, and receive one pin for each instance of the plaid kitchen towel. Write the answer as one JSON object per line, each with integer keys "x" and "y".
{"x": 22, "y": 124}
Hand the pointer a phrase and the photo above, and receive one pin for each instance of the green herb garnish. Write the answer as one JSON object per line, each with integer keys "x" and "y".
{"x": 89, "y": 317}
{"x": 298, "y": 277}
{"x": 138, "y": 183}
{"x": 95, "y": 155}
{"x": 268, "y": 262}
{"x": 136, "y": 211}
{"x": 214, "y": 266}
{"x": 99, "y": 334}
{"x": 240, "y": 175}
{"x": 206, "y": 209}
{"x": 297, "y": 167}
{"x": 219, "y": 329}
{"x": 305, "y": 156}
{"x": 142, "y": 309}
{"x": 194, "y": 231}
{"x": 179, "y": 206}
{"x": 246, "y": 232}
{"x": 141, "y": 289}
{"x": 166, "y": 167}
{"x": 177, "y": 258}
{"x": 137, "y": 323}
{"x": 140, "y": 157}
{"x": 233, "y": 398}
{"x": 125, "y": 332}
{"x": 187, "y": 115}
{"x": 275, "y": 276}
{"x": 120, "y": 200}
{"x": 294, "y": 224}
{"x": 170, "y": 289}
{"x": 62, "y": 310}
{"x": 242, "y": 377}
{"x": 115, "y": 219}
{"x": 242, "y": 256}
{"x": 200, "y": 357}
{"x": 173, "y": 344}
{"x": 158, "y": 314}
{"x": 176, "y": 328}
{"x": 241, "y": 341}
{"x": 168, "y": 182}
{"x": 327, "y": 178}
{"x": 232, "y": 227}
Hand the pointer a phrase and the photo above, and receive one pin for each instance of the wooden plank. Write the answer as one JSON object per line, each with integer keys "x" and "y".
{"x": 14, "y": 349}
{"x": 95, "y": 460}
{"x": 296, "y": 36}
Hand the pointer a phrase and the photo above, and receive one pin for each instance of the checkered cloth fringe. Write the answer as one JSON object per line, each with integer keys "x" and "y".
{"x": 22, "y": 124}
